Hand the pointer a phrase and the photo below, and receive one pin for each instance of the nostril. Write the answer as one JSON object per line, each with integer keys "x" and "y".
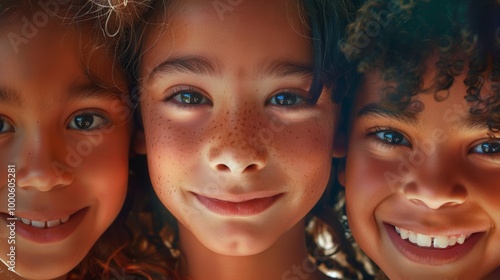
{"x": 226, "y": 168}
{"x": 251, "y": 167}
{"x": 222, "y": 168}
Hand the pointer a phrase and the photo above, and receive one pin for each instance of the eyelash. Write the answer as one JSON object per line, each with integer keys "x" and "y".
{"x": 494, "y": 156}
{"x": 92, "y": 112}
{"x": 303, "y": 100}
{"x": 373, "y": 131}
{"x": 175, "y": 91}
{"x": 4, "y": 121}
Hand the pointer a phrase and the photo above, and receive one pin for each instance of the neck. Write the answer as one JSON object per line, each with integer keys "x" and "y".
{"x": 287, "y": 258}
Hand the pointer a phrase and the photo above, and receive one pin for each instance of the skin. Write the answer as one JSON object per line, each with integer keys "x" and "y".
{"x": 453, "y": 187}
{"x": 60, "y": 166}
{"x": 237, "y": 143}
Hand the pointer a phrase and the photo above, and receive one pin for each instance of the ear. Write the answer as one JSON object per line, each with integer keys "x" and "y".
{"x": 340, "y": 151}
{"x": 139, "y": 142}
{"x": 341, "y": 172}
{"x": 340, "y": 145}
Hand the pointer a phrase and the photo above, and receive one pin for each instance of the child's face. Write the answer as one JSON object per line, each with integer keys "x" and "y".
{"x": 68, "y": 141}
{"x": 235, "y": 166}
{"x": 434, "y": 175}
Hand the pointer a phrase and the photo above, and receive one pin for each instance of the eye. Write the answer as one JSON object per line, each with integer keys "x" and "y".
{"x": 5, "y": 126}
{"x": 187, "y": 96}
{"x": 392, "y": 137}
{"x": 286, "y": 99}
{"x": 487, "y": 148}
{"x": 87, "y": 121}
{"x": 190, "y": 98}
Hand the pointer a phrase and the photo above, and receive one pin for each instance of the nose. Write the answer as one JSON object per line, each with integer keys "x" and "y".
{"x": 435, "y": 196}
{"x": 41, "y": 164}
{"x": 437, "y": 183}
{"x": 238, "y": 147}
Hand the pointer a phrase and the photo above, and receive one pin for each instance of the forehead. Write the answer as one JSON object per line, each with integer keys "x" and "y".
{"x": 53, "y": 53}
{"x": 240, "y": 33}
{"x": 37, "y": 49}
{"x": 235, "y": 12}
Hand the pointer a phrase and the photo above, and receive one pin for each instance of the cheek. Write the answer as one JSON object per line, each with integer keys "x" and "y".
{"x": 367, "y": 182}
{"x": 169, "y": 149}
{"x": 305, "y": 151}
{"x": 108, "y": 164}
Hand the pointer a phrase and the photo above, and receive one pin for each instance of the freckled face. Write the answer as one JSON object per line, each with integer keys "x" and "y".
{"x": 69, "y": 141}
{"x": 235, "y": 150}
{"x": 433, "y": 174}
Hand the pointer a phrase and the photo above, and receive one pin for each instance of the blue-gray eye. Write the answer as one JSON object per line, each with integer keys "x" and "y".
{"x": 392, "y": 137}
{"x": 487, "y": 148}
{"x": 191, "y": 98}
{"x": 285, "y": 99}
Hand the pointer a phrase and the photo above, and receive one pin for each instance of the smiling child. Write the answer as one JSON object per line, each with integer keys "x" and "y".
{"x": 238, "y": 132}
{"x": 64, "y": 134}
{"x": 423, "y": 155}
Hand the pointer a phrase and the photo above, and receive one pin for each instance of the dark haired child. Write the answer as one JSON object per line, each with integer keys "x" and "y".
{"x": 423, "y": 153}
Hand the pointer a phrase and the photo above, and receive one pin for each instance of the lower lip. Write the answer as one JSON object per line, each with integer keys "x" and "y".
{"x": 50, "y": 235}
{"x": 244, "y": 208}
{"x": 429, "y": 255}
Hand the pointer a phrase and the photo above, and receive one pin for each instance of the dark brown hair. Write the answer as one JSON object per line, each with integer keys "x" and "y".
{"x": 397, "y": 37}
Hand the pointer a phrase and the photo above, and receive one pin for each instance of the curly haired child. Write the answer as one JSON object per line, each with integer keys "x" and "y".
{"x": 422, "y": 166}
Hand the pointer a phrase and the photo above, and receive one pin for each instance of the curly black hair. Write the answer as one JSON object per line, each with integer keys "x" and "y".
{"x": 397, "y": 37}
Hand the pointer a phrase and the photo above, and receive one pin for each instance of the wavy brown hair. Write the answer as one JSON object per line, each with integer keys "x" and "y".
{"x": 127, "y": 248}
{"x": 134, "y": 245}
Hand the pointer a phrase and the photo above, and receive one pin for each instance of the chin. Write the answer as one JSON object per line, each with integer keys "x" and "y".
{"x": 42, "y": 273}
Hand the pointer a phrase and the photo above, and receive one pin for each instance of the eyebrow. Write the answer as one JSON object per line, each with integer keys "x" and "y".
{"x": 10, "y": 96}
{"x": 75, "y": 92}
{"x": 287, "y": 68}
{"x": 473, "y": 124}
{"x": 375, "y": 110}
{"x": 186, "y": 64}
{"x": 409, "y": 118}
{"x": 202, "y": 66}
{"x": 90, "y": 91}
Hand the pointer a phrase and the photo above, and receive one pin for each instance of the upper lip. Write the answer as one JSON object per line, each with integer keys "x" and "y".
{"x": 449, "y": 221}
{"x": 45, "y": 216}
{"x": 238, "y": 198}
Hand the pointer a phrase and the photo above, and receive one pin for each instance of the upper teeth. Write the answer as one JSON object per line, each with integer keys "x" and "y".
{"x": 440, "y": 241}
{"x": 43, "y": 224}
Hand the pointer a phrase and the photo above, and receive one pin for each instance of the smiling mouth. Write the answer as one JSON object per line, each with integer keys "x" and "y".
{"x": 44, "y": 224}
{"x": 434, "y": 250}
{"x": 241, "y": 208}
{"x": 439, "y": 241}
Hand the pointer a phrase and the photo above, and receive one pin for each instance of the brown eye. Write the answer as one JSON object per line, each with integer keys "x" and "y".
{"x": 87, "y": 121}
{"x": 5, "y": 126}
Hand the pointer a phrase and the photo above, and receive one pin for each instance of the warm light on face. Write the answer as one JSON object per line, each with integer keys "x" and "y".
{"x": 422, "y": 187}
{"x": 66, "y": 139}
{"x": 235, "y": 150}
